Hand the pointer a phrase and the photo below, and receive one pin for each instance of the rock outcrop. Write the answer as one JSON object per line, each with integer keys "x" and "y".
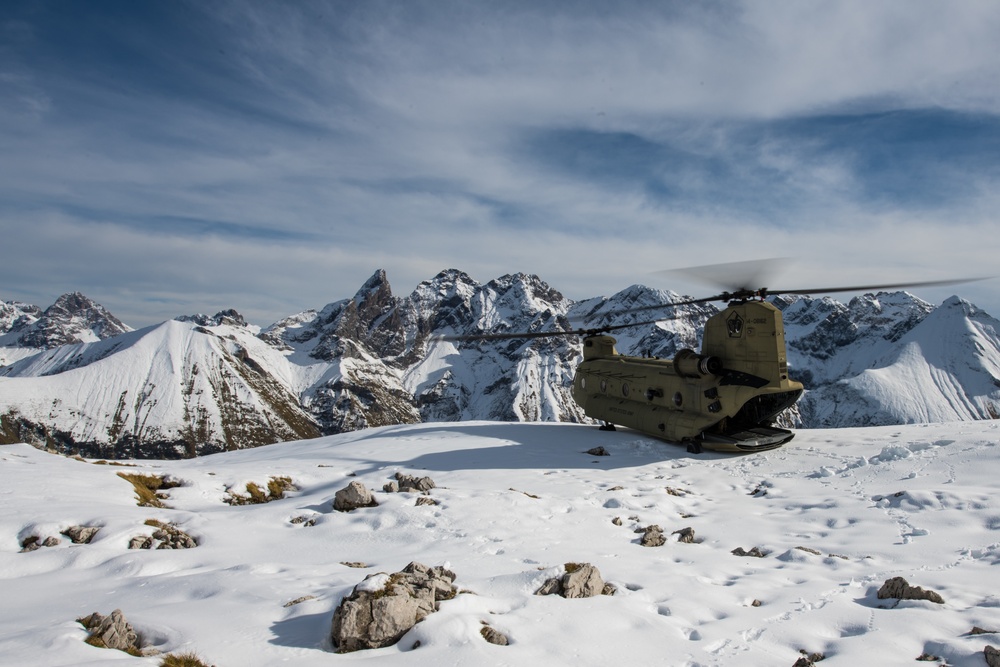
{"x": 112, "y": 631}
{"x": 384, "y": 607}
{"x": 899, "y": 588}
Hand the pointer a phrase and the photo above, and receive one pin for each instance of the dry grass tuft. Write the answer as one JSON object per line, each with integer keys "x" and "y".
{"x": 185, "y": 659}
{"x": 276, "y": 488}
{"x": 149, "y": 488}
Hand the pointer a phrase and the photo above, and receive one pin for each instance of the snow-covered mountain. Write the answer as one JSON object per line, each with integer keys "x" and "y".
{"x": 201, "y": 384}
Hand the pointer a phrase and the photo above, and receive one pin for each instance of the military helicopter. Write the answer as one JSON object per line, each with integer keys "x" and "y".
{"x": 725, "y": 398}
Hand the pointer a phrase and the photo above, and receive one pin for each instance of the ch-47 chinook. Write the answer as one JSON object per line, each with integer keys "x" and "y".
{"x": 725, "y": 398}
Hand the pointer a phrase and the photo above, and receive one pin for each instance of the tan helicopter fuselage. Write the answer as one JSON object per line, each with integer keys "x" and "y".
{"x": 724, "y": 398}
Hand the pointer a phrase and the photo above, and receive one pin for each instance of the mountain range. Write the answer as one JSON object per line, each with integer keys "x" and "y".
{"x": 75, "y": 378}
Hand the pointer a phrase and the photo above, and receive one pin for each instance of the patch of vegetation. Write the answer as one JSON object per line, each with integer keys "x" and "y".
{"x": 255, "y": 495}
{"x": 149, "y": 488}
{"x": 185, "y": 659}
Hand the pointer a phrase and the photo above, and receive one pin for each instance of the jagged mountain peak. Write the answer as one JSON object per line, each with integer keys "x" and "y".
{"x": 73, "y": 318}
{"x": 228, "y": 317}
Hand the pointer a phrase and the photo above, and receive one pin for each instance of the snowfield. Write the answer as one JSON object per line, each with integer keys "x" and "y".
{"x": 517, "y": 502}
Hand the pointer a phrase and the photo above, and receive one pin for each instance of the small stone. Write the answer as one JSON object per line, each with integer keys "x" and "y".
{"x": 755, "y": 552}
{"x": 992, "y": 656}
{"x": 810, "y": 551}
{"x": 685, "y": 535}
{"x": 756, "y": 603}
{"x": 927, "y": 657}
{"x": 494, "y": 636}
{"x": 353, "y": 563}
{"x": 653, "y": 537}
{"x": 51, "y": 541}
{"x": 617, "y": 521}
{"x": 414, "y": 484}
{"x": 598, "y": 451}
{"x": 31, "y": 543}
{"x": 141, "y": 542}
{"x": 81, "y": 534}
{"x": 390, "y": 487}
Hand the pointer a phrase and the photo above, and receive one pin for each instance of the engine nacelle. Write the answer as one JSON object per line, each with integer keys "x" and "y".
{"x": 690, "y": 364}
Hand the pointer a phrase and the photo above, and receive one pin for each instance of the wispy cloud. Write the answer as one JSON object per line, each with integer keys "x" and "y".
{"x": 271, "y": 157}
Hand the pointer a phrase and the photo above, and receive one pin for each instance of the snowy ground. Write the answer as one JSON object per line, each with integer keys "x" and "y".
{"x": 914, "y": 501}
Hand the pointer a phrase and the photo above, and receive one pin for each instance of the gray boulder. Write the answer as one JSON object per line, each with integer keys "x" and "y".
{"x": 111, "y": 631}
{"x": 992, "y": 656}
{"x": 353, "y": 496}
{"x": 580, "y": 580}
{"x": 383, "y": 608}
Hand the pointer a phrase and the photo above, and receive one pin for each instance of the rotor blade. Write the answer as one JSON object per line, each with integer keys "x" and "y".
{"x": 861, "y": 288}
{"x": 734, "y": 276}
{"x": 524, "y": 335}
{"x": 663, "y": 306}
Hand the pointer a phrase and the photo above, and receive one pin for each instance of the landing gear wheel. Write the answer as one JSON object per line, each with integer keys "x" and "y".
{"x": 694, "y": 447}
{"x": 607, "y": 426}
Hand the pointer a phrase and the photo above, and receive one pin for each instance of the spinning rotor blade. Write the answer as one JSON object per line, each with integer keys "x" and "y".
{"x": 549, "y": 334}
{"x": 860, "y": 288}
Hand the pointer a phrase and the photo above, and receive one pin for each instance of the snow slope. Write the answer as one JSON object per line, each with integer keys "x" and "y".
{"x": 517, "y": 501}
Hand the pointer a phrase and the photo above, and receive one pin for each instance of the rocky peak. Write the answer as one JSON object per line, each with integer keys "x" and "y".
{"x": 15, "y": 315}
{"x": 73, "y": 318}
{"x": 229, "y": 317}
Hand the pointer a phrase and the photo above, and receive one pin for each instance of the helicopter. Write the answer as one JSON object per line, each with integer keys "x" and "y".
{"x": 724, "y": 398}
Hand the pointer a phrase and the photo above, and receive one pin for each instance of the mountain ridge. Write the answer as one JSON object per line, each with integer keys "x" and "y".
{"x": 206, "y": 384}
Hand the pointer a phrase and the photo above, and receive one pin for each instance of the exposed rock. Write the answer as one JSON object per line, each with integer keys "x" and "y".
{"x": 166, "y": 536}
{"x": 304, "y": 520}
{"x": 685, "y": 535}
{"x": 34, "y": 542}
{"x": 976, "y": 630}
{"x": 992, "y": 656}
{"x": 899, "y": 588}
{"x": 299, "y": 600}
{"x": 598, "y": 451}
{"x": 414, "y": 484}
{"x": 756, "y": 603}
{"x": 424, "y": 500}
{"x": 652, "y": 536}
{"x": 391, "y": 487}
{"x": 383, "y": 608}
{"x": 141, "y": 542}
{"x": 810, "y": 551}
{"x": 927, "y": 657}
{"x": 755, "y": 552}
{"x": 809, "y": 659}
{"x": 354, "y": 563}
{"x": 617, "y": 521}
{"x": 81, "y": 534}
{"x": 494, "y": 636}
{"x": 580, "y": 580}
{"x": 112, "y": 631}
{"x": 353, "y": 496}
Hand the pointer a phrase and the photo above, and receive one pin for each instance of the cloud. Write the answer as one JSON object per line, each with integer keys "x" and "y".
{"x": 183, "y": 157}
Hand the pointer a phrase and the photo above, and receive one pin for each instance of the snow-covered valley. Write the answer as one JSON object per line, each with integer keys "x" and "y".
{"x": 835, "y": 513}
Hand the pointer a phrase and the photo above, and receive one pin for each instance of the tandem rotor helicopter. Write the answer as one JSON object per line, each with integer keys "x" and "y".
{"x": 724, "y": 398}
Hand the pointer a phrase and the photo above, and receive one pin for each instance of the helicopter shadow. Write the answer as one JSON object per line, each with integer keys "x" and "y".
{"x": 542, "y": 446}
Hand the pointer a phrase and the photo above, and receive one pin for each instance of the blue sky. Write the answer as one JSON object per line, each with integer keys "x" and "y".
{"x": 168, "y": 158}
